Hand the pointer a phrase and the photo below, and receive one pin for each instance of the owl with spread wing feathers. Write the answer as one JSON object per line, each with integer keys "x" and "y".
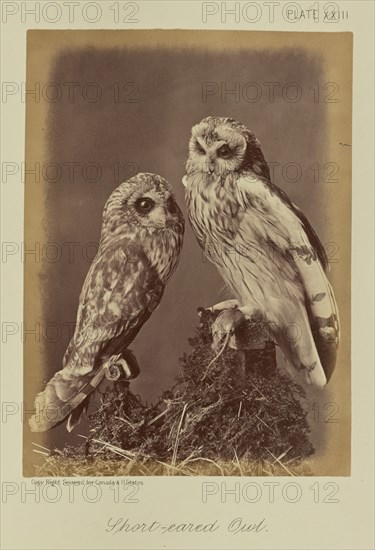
{"x": 140, "y": 244}
{"x": 263, "y": 246}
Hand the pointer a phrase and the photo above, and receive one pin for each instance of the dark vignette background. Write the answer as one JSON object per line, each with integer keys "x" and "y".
{"x": 151, "y": 134}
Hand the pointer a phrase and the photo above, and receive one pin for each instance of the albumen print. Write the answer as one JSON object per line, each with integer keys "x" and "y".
{"x": 187, "y": 253}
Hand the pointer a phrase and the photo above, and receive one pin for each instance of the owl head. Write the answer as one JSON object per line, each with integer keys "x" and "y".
{"x": 222, "y": 145}
{"x": 144, "y": 202}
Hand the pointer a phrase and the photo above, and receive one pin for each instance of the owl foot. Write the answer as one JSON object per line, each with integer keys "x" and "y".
{"x": 118, "y": 370}
{"x": 249, "y": 311}
{"x": 227, "y": 304}
{"x": 123, "y": 366}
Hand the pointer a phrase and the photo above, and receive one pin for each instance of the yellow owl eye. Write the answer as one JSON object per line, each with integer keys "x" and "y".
{"x": 225, "y": 151}
{"x": 144, "y": 205}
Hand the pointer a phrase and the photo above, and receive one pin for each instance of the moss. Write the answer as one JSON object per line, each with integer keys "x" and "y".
{"x": 239, "y": 417}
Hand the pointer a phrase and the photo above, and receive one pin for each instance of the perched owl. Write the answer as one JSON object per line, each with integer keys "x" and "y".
{"x": 140, "y": 244}
{"x": 263, "y": 246}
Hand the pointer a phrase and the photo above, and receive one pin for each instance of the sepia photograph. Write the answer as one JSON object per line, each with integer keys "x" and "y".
{"x": 187, "y": 243}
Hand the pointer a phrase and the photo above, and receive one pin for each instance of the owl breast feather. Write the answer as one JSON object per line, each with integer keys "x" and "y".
{"x": 240, "y": 233}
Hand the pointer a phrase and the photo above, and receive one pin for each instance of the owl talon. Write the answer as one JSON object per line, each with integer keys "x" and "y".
{"x": 119, "y": 371}
{"x": 117, "y": 368}
{"x": 113, "y": 373}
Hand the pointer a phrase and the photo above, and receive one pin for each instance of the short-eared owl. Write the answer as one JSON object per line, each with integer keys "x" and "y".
{"x": 263, "y": 246}
{"x": 140, "y": 244}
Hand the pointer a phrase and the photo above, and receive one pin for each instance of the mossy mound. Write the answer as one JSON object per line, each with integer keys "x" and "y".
{"x": 237, "y": 415}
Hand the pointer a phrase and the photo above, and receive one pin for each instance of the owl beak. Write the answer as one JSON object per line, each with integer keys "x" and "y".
{"x": 210, "y": 169}
{"x": 161, "y": 222}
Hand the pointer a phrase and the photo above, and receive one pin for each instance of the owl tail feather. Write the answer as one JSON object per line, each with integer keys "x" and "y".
{"x": 66, "y": 395}
{"x": 75, "y": 416}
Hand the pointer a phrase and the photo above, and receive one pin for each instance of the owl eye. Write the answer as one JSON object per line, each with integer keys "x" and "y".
{"x": 144, "y": 205}
{"x": 225, "y": 151}
{"x": 200, "y": 149}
